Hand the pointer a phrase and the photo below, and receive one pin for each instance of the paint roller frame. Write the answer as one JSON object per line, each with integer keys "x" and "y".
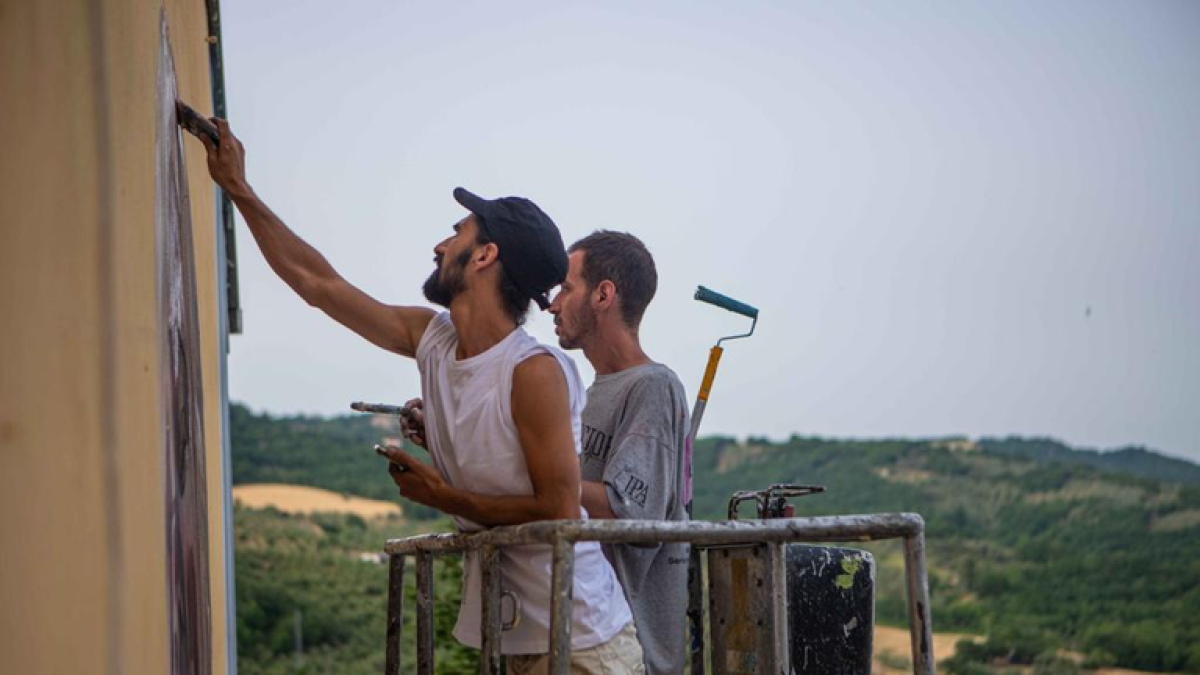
{"x": 725, "y": 302}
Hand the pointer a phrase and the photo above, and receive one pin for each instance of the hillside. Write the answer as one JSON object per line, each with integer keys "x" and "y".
{"x": 331, "y": 453}
{"x": 321, "y": 575}
{"x": 1135, "y": 460}
{"x": 1035, "y": 554}
{"x": 1037, "y": 549}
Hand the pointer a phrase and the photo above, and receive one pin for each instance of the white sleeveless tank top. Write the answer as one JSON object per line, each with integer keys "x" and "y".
{"x": 473, "y": 441}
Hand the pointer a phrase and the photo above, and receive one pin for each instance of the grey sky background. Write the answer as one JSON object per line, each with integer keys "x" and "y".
{"x": 956, "y": 218}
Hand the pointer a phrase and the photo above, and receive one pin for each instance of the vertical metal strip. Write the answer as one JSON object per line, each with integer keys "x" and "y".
{"x": 229, "y": 319}
{"x": 919, "y": 623}
{"x": 697, "y": 415}
{"x": 228, "y": 243}
{"x": 225, "y": 471}
{"x": 562, "y": 591}
{"x": 425, "y": 613}
{"x": 777, "y": 567}
{"x": 395, "y": 614}
{"x": 489, "y": 565}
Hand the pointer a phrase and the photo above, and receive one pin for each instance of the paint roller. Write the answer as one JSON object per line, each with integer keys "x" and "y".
{"x": 695, "y": 592}
{"x": 714, "y": 355}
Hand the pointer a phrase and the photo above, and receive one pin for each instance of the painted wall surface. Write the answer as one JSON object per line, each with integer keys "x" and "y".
{"x": 83, "y": 571}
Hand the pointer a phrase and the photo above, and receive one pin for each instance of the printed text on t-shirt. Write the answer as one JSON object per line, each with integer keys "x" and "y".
{"x": 596, "y": 444}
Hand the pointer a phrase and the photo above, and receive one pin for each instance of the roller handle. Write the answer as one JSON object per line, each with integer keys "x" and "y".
{"x": 725, "y": 302}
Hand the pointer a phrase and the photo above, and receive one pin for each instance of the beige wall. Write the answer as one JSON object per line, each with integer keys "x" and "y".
{"x": 83, "y": 577}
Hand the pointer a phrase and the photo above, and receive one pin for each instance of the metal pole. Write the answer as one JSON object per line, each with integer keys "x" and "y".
{"x": 395, "y": 618}
{"x": 232, "y": 304}
{"x": 813, "y": 529}
{"x": 425, "y": 613}
{"x": 562, "y": 588}
{"x": 710, "y": 373}
{"x": 695, "y": 611}
{"x": 779, "y": 606}
{"x": 919, "y": 623}
{"x": 489, "y": 563}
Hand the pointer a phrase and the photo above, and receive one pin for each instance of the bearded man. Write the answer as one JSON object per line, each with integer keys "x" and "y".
{"x": 502, "y": 412}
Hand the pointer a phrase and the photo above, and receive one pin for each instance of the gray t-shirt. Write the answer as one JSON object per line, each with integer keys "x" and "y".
{"x": 635, "y": 429}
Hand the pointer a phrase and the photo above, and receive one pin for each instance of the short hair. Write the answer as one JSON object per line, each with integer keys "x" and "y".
{"x": 516, "y": 301}
{"x": 624, "y": 260}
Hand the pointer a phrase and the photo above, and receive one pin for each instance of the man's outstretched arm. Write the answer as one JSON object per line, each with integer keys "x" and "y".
{"x": 303, "y": 268}
{"x": 541, "y": 411}
{"x": 595, "y": 500}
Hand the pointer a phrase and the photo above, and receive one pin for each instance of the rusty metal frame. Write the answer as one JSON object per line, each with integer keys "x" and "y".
{"x": 562, "y": 535}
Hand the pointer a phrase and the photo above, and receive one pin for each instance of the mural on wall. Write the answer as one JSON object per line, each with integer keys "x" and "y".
{"x": 188, "y": 593}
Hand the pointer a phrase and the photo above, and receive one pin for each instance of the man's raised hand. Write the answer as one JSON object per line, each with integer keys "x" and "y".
{"x": 227, "y": 160}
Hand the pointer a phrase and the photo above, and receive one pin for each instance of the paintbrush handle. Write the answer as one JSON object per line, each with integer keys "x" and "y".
{"x": 195, "y": 124}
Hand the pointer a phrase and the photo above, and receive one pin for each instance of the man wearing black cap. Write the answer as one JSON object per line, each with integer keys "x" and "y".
{"x": 502, "y": 411}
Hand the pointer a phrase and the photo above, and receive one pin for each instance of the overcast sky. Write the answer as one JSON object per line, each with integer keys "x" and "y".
{"x": 956, "y": 218}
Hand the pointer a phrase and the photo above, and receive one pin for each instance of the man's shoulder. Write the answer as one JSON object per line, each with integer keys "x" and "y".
{"x": 535, "y": 356}
{"x": 656, "y": 379}
{"x": 439, "y": 336}
{"x": 536, "y": 363}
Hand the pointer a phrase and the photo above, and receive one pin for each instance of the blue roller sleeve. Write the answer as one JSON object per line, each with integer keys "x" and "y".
{"x": 725, "y": 302}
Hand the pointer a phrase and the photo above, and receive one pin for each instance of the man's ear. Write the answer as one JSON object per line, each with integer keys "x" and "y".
{"x": 605, "y": 295}
{"x": 486, "y": 255}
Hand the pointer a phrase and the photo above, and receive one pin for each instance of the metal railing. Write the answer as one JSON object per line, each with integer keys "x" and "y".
{"x": 562, "y": 535}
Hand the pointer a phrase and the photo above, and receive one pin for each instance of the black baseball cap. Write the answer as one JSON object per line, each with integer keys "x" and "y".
{"x": 531, "y": 248}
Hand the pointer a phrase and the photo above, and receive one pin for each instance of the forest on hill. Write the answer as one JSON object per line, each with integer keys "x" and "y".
{"x": 1036, "y": 546}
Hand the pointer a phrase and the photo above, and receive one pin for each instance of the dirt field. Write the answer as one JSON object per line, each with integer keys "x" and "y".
{"x": 300, "y": 499}
{"x": 892, "y": 649}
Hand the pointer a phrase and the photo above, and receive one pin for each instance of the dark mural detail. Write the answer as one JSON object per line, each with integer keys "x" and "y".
{"x": 186, "y": 503}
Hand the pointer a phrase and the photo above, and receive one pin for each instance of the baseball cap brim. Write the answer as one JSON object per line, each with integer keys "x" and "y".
{"x": 471, "y": 201}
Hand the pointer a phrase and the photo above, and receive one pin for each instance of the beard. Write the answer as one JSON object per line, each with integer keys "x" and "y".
{"x": 442, "y": 291}
{"x": 585, "y": 325}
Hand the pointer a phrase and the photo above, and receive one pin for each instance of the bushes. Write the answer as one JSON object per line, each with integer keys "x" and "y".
{"x": 288, "y": 564}
{"x": 1041, "y": 556}
{"x": 1144, "y": 645}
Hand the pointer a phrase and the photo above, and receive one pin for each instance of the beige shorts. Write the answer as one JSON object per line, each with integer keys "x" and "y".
{"x": 621, "y": 655}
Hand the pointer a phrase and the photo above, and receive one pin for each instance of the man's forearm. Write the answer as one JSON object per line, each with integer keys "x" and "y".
{"x": 300, "y": 265}
{"x": 493, "y": 510}
{"x": 595, "y": 500}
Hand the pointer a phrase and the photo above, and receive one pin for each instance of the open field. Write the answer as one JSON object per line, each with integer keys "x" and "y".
{"x": 892, "y": 647}
{"x": 299, "y": 499}
{"x": 892, "y": 652}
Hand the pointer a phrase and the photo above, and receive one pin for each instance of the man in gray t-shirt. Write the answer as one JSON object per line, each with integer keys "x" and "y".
{"x": 635, "y": 462}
